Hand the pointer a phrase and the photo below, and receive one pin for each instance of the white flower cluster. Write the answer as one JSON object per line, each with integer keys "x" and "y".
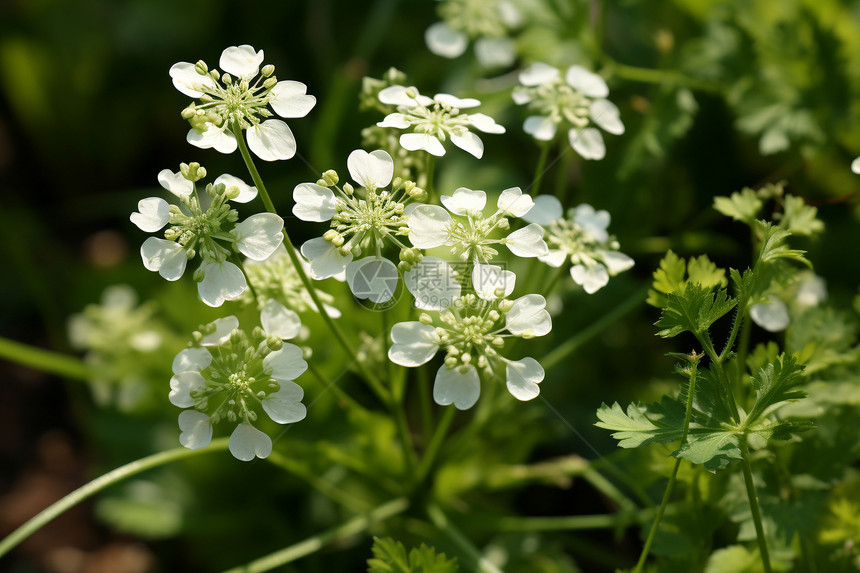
{"x": 435, "y": 120}
{"x": 582, "y": 238}
{"x": 241, "y": 96}
{"x": 229, "y": 374}
{"x": 488, "y": 22}
{"x": 211, "y": 231}
{"x": 579, "y": 100}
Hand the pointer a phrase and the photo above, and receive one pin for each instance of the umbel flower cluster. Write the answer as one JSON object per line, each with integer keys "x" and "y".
{"x": 378, "y": 230}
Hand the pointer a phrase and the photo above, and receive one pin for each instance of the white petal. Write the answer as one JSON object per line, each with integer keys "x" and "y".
{"x": 509, "y": 13}
{"x": 514, "y": 203}
{"x": 540, "y": 127}
{"x": 495, "y": 52}
{"x": 175, "y": 183}
{"x": 221, "y": 282}
{"x": 223, "y": 328}
{"x": 605, "y": 114}
{"x": 395, "y": 120}
{"x": 246, "y": 441}
{"x": 192, "y": 359}
{"x": 181, "y": 386}
{"x": 272, "y": 140}
{"x": 591, "y": 277}
{"x": 246, "y": 192}
{"x": 454, "y": 101}
{"x": 554, "y": 258}
{"x": 523, "y": 377}
{"x": 428, "y": 226}
{"x": 413, "y": 343}
{"x": 538, "y": 73}
{"x": 444, "y": 41}
{"x": 218, "y": 138}
{"x": 593, "y": 222}
{"x": 314, "y": 202}
{"x": 371, "y": 278}
{"x": 325, "y": 259}
{"x": 416, "y": 141}
{"x": 289, "y": 99}
{"x": 374, "y": 169}
{"x": 547, "y": 208}
{"x": 196, "y": 429}
{"x": 399, "y": 95}
{"x": 188, "y": 81}
{"x": 278, "y": 320}
{"x": 452, "y": 387}
{"x": 491, "y": 281}
{"x": 587, "y": 82}
{"x": 588, "y": 143}
{"x": 772, "y": 317}
{"x": 855, "y": 166}
{"x": 286, "y": 364}
{"x": 485, "y": 123}
{"x": 615, "y": 262}
{"x": 152, "y": 214}
{"x": 464, "y": 200}
{"x": 433, "y": 283}
{"x": 259, "y": 235}
{"x": 528, "y": 241}
{"x": 469, "y": 142}
{"x": 241, "y": 61}
{"x": 166, "y": 257}
{"x": 811, "y": 291}
{"x": 285, "y": 406}
{"x": 528, "y": 314}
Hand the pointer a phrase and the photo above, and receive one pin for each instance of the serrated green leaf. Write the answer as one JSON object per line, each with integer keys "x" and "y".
{"x": 774, "y": 384}
{"x": 670, "y": 277}
{"x": 714, "y": 448}
{"x": 734, "y": 559}
{"x": 389, "y": 556}
{"x": 773, "y": 244}
{"x": 643, "y": 424}
{"x": 703, "y": 271}
{"x": 743, "y": 206}
{"x": 800, "y": 218}
{"x": 694, "y": 310}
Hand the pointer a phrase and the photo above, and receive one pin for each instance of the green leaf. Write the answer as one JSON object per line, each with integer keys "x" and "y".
{"x": 714, "y": 448}
{"x": 774, "y": 384}
{"x": 774, "y": 247}
{"x": 669, "y": 277}
{"x": 643, "y": 423}
{"x": 800, "y": 218}
{"x": 389, "y": 556}
{"x": 743, "y": 206}
{"x": 734, "y": 559}
{"x": 703, "y": 271}
{"x": 694, "y": 310}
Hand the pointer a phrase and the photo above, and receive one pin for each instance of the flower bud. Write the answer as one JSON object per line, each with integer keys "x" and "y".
{"x": 330, "y": 234}
{"x": 215, "y": 75}
{"x": 451, "y": 362}
{"x": 348, "y": 189}
{"x": 201, "y": 68}
{"x": 267, "y": 70}
{"x": 425, "y": 318}
{"x": 270, "y": 83}
{"x": 198, "y": 275}
{"x": 498, "y": 342}
{"x": 330, "y": 177}
{"x": 494, "y": 315}
{"x": 504, "y": 223}
{"x": 188, "y": 112}
{"x": 506, "y": 305}
{"x": 274, "y": 343}
{"x": 227, "y": 79}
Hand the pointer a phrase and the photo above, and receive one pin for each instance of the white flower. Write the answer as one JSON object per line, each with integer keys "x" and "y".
{"x": 487, "y": 22}
{"x": 432, "y": 121}
{"x": 855, "y": 166}
{"x": 578, "y": 100}
{"x": 772, "y": 315}
{"x": 231, "y": 374}
{"x": 433, "y": 283}
{"x": 237, "y": 98}
{"x": 213, "y": 233}
{"x": 472, "y": 336}
{"x": 582, "y": 238}
{"x": 470, "y": 234}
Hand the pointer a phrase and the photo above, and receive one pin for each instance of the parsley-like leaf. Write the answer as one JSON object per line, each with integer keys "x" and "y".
{"x": 389, "y": 556}
{"x": 743, "y": 206}
{"x": 694, "y": 310}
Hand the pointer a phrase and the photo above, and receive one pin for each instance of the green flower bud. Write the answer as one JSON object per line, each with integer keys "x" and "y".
{"x": 201, "y": 68}
{"x": 189, "y": 112}
{"x": 274, "y": 342}
{"x": 270, "y": 83}
{"x": 227, "y": 79}
{"x": 451, "y": 361}
{"x": 330, "y": 235}
{"x": 215, "y": 75}
{"x": 348, "y": 189}
{"x": 425, "y": 318}
{"x": 198, "y": 275}
{"x": 267, "y": 70}
{"x": 504, "y": 223}
{"x": 506, "y": 305}
{"x": 330, "y": 177}
{"x": 498, "y": 342}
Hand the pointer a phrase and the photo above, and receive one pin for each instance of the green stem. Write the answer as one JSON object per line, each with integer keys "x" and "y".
{"x": 478, "y": 562}
{"x": 655, "y": 76}
{"x": 424, "y": 394}
{"x": 668, "y": 493}
{"x": 564, "y": 523}
{"x": 565, "y": 157}
{"x": 429, "y": 167}
{"x": 88, "y": 490}
{"x": 435, "y": 443}
{"x": 44, "y": 360}
{"x": 313, "y": 544}
{"x": 571, "y": 345}
{"x": 756, "y": 513}
{"x": 370, "y": 378}
{"x": 342, "y": 396}
{"x": 409, "y": 456}
{"x": 553, "y": 282}
{"x": 541, "y": 168}
{"x": 729, "y": 395}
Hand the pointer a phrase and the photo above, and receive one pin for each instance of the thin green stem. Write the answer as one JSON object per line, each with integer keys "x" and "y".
{"x": 88, "y": 490}
{"x": 691, "y": 391}
{"x": 369, "y": 377}
{"x": 435, "y": 443}
{"x": 424, "y": 402}
{"x": 429, "y": 168}
{"x": 565, "y": 158}
{"x": 313, "y": 544}
{"x": 478, "y": 562}
{"x": 571, "y": 345}
{"x": 660, "y": 77}
{"x": 729, "y": 395}
{"x": 44, "y": 360}
{"x": 348, "y": 400}
{"x": 564, "y": 523}
{"x": 560, "y": 272}
{"x": 409, "y": 456}
{"x": 540, "y": 169}
{"x": 754, "y": 508}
